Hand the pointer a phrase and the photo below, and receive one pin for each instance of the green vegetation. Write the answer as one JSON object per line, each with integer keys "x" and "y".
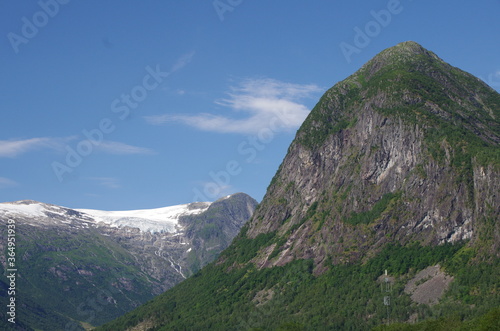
{"x": 378, "y": 208}
{"x": 322, "y": 123}
{"x": 244, "y": 249}
{"x": 487, "y": 322}
{"x": 346, "y": 297}
{"x": 66, "y": 277}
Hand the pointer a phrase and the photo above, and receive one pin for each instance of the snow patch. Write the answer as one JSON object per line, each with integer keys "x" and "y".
{"x": 164, "y": 219}
{"x": 31, "y": 210}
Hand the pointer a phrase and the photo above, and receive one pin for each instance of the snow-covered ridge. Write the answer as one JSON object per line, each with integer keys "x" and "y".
{"x": 148, "y": 220}
{"x": 164, "y": 219}
{"x": 30, "y": 210}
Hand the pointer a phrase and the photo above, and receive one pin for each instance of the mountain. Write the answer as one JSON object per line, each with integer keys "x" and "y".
{"x": 384, "y": 210}
{"x": 79, "y": 267}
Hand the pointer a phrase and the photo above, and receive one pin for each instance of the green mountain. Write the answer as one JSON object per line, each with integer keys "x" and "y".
{"x": 79, "y": 268}
{"x": 385, "y": 210}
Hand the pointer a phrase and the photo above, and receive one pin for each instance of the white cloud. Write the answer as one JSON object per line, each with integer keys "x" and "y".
{"x": 267, "y": 102}
{"x": 118, "y": 148}
{"x": 14, "y": 148}
{"x": 108, "y": 182}
{"x": 7, "y": 183}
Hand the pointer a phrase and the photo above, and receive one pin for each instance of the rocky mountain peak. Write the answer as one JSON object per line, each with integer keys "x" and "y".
{"x": 375, "y": 161}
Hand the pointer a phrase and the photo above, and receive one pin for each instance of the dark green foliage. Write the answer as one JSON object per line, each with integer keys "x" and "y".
{"x": 290, "y": 326}
{"x": 279, "y": 243}
{"x": 246, "y": 248}
{"x": 378, "y": 208}
{"x": 347, "y": 297}
{"x": 399, "y": 259}
{"x": 487, "y": 322}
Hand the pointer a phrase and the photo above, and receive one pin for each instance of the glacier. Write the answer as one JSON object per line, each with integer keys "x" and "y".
{"x": 157, "y": 220}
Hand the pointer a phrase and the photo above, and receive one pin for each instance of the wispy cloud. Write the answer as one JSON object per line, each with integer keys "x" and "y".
{"x": 182, "y": 61}
{"x": 14, "y": 148}
{"x": 213, "y": 190}
{"x": 158, "y": 119}
{"x": 108, "y": 182}
{"x": 118, "y": 148}
{"x": 263, "y": 100}
{"x": 7, "y": 183}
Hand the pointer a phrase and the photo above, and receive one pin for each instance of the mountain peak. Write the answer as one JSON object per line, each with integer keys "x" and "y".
{"x": 405, "y": 50}
{"x": 369, "y": 145}
{"x": 410, "y": 47}
{"x": 405, "y": 55}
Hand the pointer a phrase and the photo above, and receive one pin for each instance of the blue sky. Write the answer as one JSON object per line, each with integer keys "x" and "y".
{"x": 141, "y": 104}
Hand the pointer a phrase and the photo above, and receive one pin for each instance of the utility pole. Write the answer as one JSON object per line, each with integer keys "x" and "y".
{"x": 387, "y": 289}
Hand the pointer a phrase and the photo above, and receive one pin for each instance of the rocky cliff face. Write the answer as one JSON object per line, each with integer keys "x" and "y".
{"x": 405, "y": 149}
{"x": 92, "y": 266}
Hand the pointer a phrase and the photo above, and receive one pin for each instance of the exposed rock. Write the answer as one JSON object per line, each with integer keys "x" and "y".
{"x": 428, "y": 286}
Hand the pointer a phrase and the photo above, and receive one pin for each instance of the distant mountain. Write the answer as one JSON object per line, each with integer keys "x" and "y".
{"x": 81, "y": 267}
{"x": 385, "y": 209}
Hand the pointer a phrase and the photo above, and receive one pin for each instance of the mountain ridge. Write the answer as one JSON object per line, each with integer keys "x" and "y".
{"x": 75, "y": 268}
